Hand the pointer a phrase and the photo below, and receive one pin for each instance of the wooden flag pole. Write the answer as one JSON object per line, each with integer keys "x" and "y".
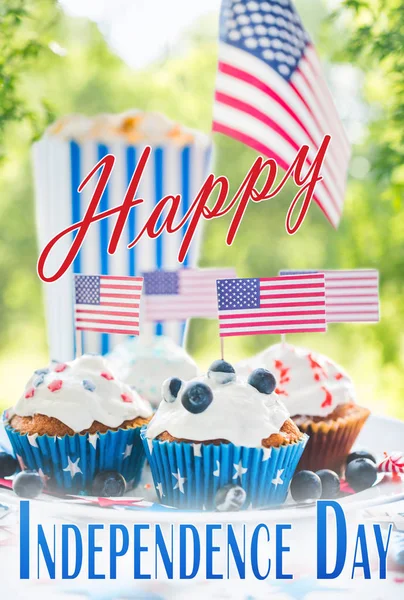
{"x": 79, "y": 343}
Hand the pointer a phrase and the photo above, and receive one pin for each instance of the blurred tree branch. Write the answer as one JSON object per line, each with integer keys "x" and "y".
{"x": 21, "y": 42}
{"x": 376, "y": 45}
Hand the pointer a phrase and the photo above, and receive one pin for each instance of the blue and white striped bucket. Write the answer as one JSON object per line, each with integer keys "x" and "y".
{"x": 59, "y": 167}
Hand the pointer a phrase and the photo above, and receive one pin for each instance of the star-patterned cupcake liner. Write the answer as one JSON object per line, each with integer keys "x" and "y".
{"x": 69, "y": 464}
{"x": 188, "y": 475}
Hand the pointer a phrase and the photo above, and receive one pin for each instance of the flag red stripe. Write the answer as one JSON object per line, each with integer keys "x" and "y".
{"x": 118, "y": 304}
{"x": 354, "y": 320}
{"x": 260, "y": 116}
{"x": 359, "y": 303}
{"x": 348, "y": 295}
{"x": 272, "y": 331}
{"x": 308, "y": 107}
{"x": 112, "y": 286}
{"x": 114, "y": 277}
{"x": 292, "y": 313}
{"x": 329, "y": 118}
{"x": 352, "y": 312}
{"x": 103, "y": 330}
{"x": 291, "y": 286}
{"x": 246, "y": 79}
{"x": 292, "y": 304}
{"x": 108, "y": 322}
{"x": 302, "y": 295}
{"x": 262, "y": 149}
{"x": 237, "y": 73}
{"x": 330, "y": 277}
{"x": 128, "y": 296}
{"x": 254, "y": 112}
{"x": 350, "y": 287}
{"x": 297, "y": 277}
{"x": 108, "y": 312}
{"x": 267, "y": 323}
{"x": 312, "y": 61}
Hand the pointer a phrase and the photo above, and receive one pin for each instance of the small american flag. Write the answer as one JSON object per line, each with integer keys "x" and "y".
{"x": 271, "y": 93}
{"x": 182, "y": 294}
{"x": 351, "y": 296}
{"x": 107, "y": 304}
{"x": 271, "y": 305}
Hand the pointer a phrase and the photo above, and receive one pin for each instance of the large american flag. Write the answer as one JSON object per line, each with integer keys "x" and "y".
{"x": 271, "y": 305}
{"x": 107, "y": 304}
{"x": 351, "y": 295}
{"x": 182, "y": 294}
{"x": 272, "y": 96}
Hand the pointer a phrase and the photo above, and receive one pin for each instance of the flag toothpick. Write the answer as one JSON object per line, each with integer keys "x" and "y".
{"x": 79, "y": 343}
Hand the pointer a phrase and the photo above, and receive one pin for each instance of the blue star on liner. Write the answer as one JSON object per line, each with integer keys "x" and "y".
{"x": 73, "y": 467}
{"x": 179, "y": 481}
{"x": 234, "y": 294}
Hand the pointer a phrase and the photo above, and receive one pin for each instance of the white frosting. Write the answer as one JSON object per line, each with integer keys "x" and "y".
{"x": 308, "y": 383}
{"x": 238, "y": 413}
{"x": 144, "y": 363}
{"x": 132, "y": 126}
{"x": 85, "y": 395}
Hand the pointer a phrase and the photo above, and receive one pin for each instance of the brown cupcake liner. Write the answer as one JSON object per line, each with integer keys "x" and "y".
{"x": 331, "y": 441}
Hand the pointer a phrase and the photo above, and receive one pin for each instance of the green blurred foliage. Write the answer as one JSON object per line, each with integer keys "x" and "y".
{"x": 75, "y": 71}
{"x": 21, "y": 43}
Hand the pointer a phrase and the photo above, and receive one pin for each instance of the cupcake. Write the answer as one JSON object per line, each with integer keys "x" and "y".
{"x": 145, "y": 363}
{"x": 76, "y": 419}
{"x": 217, "y": 430}
{"x": 321, "y": 398}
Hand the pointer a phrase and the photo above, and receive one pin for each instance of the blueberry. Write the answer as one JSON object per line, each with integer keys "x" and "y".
{"x": 306, "y": 485}
{"x": 230, "y": 497}
{"x": 360, "y": 454}
{"x": 222, "y": 371}
{"x": 330, "y": 484}
{"x": 197, "y": 397}
{"x": 361, "y": 473}
{"x": 263, "y": 381}
{"x": 28, "y": 484}
{"x": 8, "y": 465}
{"x": 171, "y": 387}
{"x": 108, "y": 483}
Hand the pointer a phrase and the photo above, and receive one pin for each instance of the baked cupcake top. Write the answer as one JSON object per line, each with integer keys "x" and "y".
{"x": 220, "y": 406}
{"x": 309, "y": 383}
{"x": 79, "y": 393}
{"x": 145, "y": 363}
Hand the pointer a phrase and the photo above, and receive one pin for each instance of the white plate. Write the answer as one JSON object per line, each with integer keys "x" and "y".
{"x": 380, "y": 434}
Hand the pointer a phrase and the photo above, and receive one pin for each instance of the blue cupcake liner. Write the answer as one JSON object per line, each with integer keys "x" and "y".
{"x": 188, "y": 475}
{"x": 72, "y": 461}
